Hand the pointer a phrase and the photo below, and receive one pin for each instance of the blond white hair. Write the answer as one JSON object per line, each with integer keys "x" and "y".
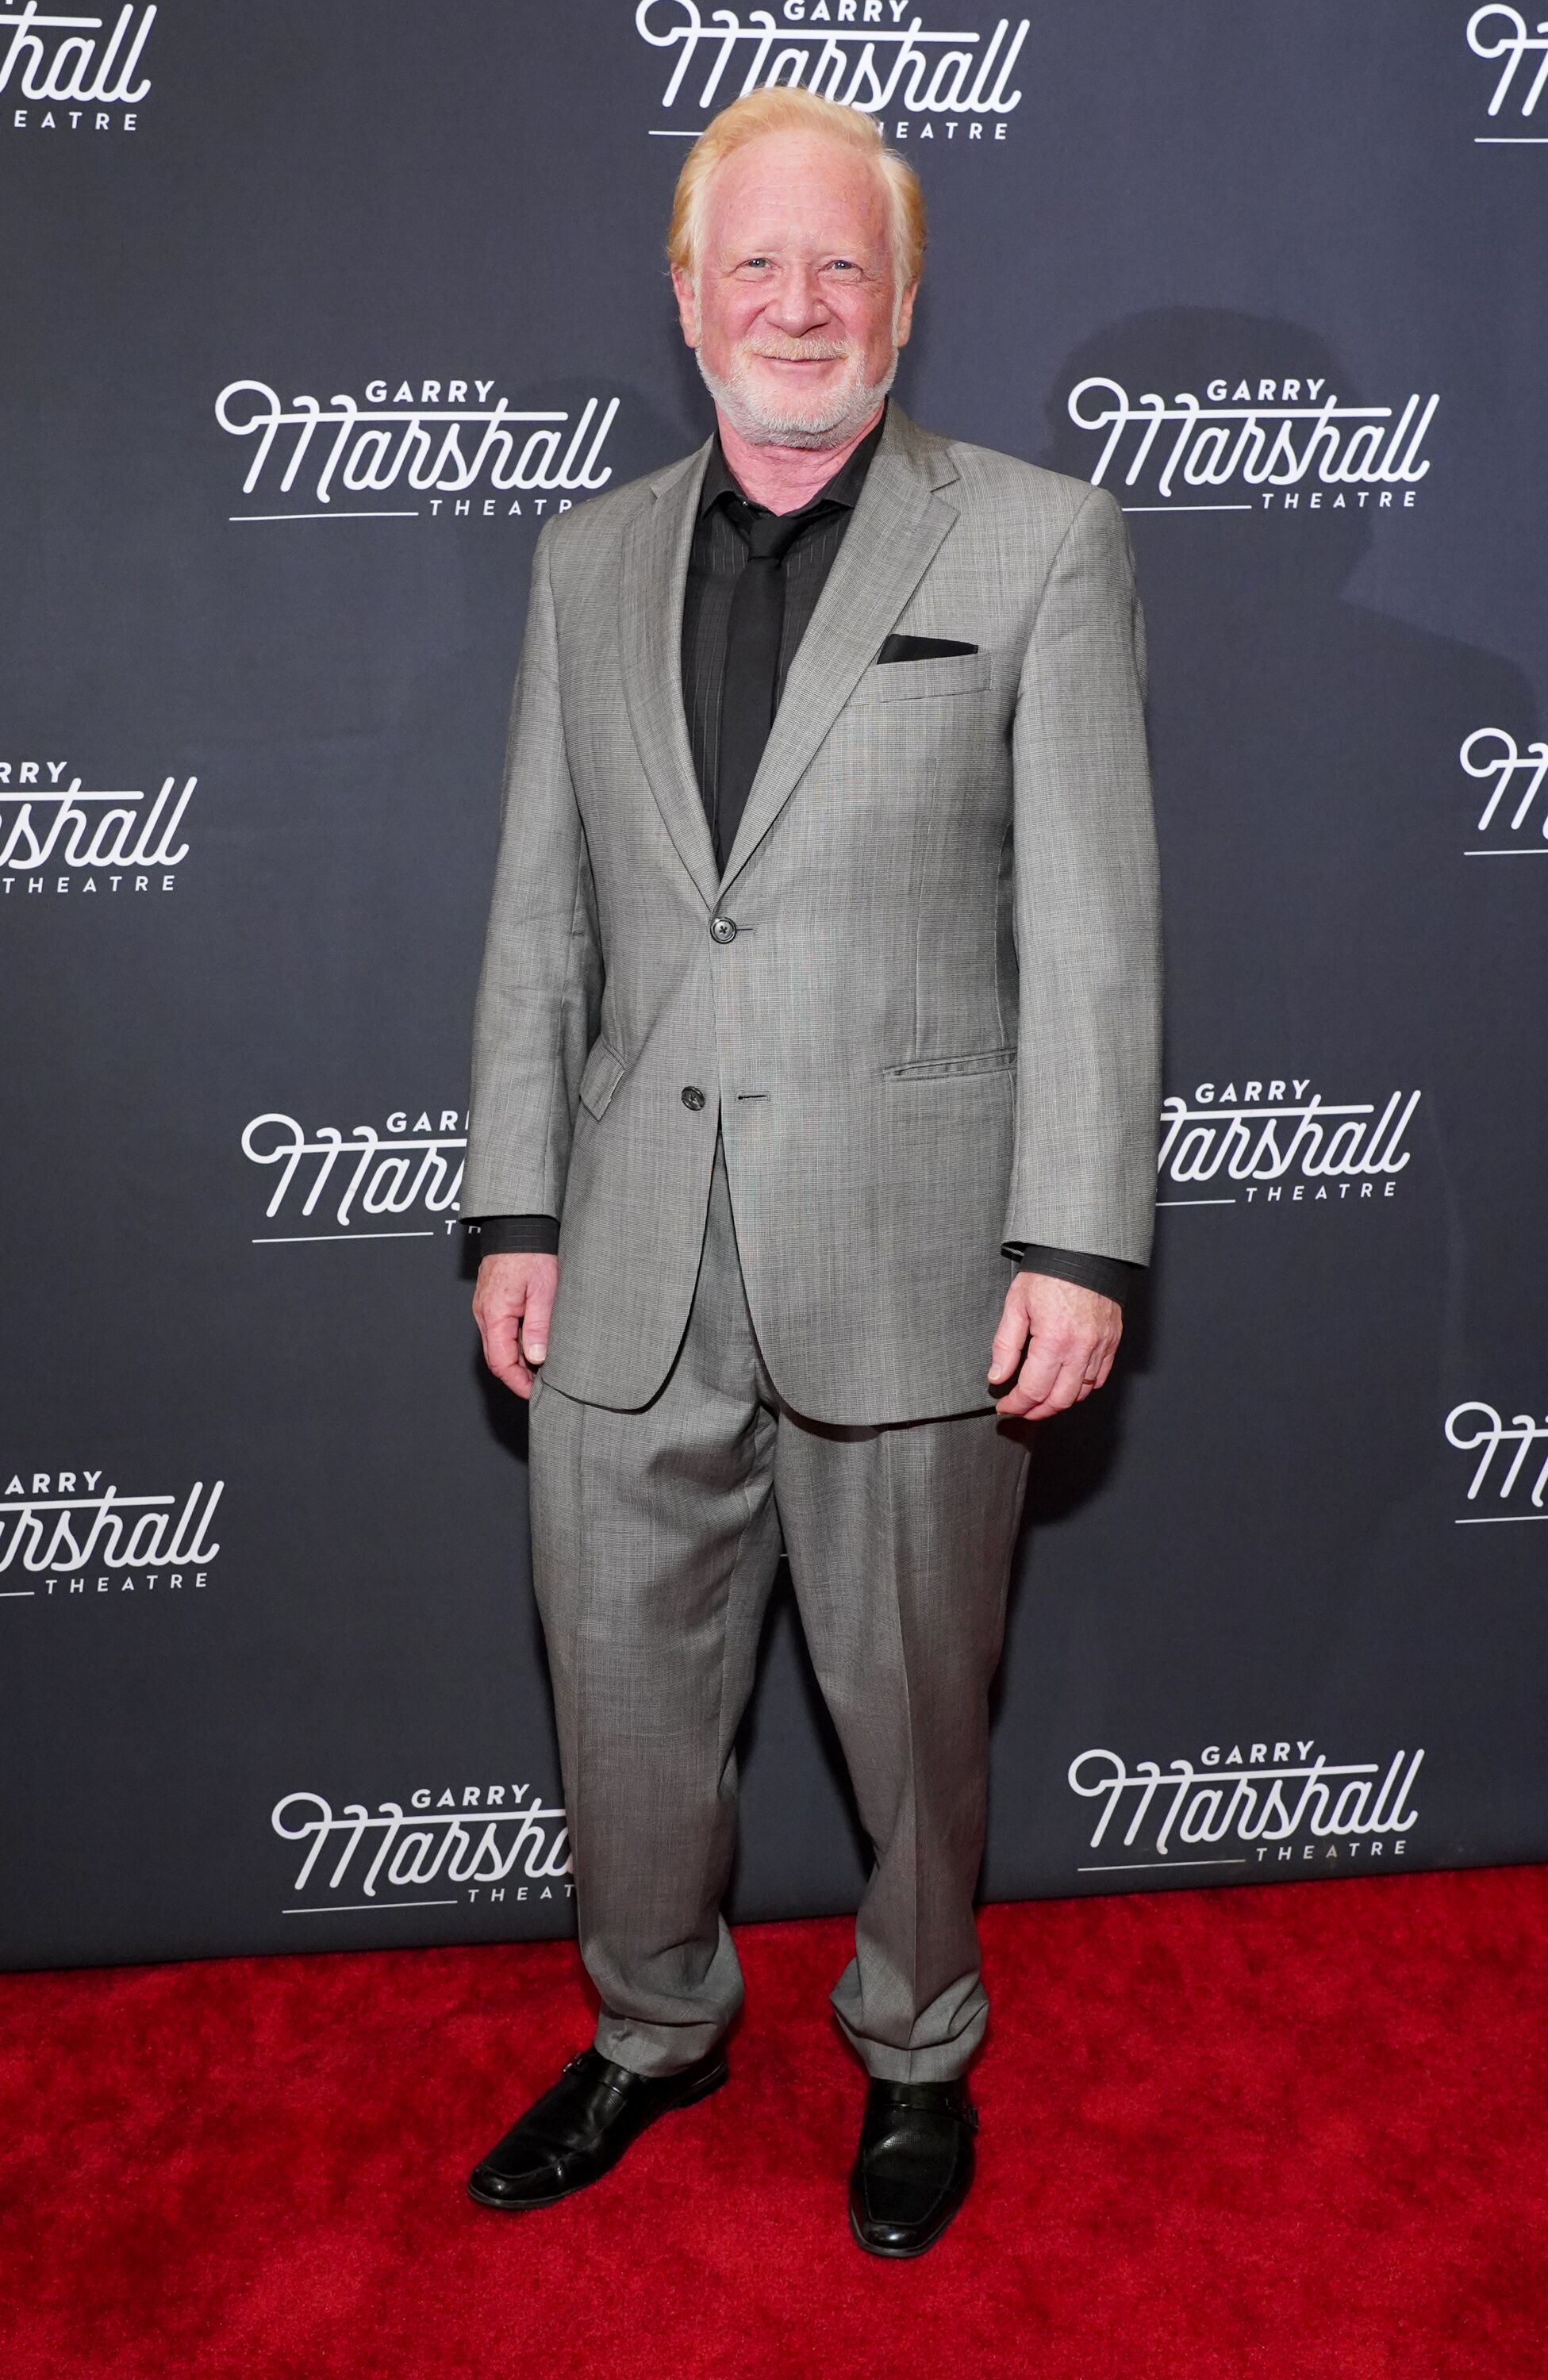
{"x": 789, "y": 108}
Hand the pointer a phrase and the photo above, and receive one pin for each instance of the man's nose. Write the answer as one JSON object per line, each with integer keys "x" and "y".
{"x": 797, "y": 306}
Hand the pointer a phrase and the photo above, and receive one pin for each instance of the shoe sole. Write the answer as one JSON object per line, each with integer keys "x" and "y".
{"x": 690, "y": 2097}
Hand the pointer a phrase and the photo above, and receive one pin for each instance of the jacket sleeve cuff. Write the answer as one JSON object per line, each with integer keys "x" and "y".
{"x": 514, "y": 1235}
{"x": 1111, "y": 1277}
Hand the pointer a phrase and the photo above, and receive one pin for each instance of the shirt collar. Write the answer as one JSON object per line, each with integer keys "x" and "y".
{"x": 844, "y": 487}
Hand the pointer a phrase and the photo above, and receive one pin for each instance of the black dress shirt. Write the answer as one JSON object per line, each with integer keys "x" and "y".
{"x": 717, "y": 559}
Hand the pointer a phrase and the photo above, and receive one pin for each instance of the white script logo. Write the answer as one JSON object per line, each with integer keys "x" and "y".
{"x": 1263, "y": 438}
{"x": 867, "y": 54}
{"x": 1257, "y": 1796}
{"x": 1269, "y": 1141}
{"x": 1491, "y": 755}
{"x": 1497, "y": 32}
{"x": 69, "y": 1534}
{"x": 85, "y": 840}
{"x": 472, "y": 1840}
{"x": 70, "y": 75}
{"x": 412, "y": 443}
{"x": 1478, "y": 1429}
{"x": 414, "y": 1167}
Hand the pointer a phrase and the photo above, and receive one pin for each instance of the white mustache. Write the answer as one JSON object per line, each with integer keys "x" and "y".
{"x": 802, "y": 351}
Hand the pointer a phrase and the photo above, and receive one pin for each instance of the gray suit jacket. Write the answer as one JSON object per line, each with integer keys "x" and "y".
{"x": 936, "y": 1024}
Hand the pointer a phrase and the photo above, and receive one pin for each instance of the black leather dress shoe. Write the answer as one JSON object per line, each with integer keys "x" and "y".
{"x": 915, "y": 2165}
{"x": 577, "y": 2130}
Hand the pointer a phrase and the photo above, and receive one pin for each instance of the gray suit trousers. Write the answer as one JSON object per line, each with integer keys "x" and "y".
{"x": 655, "y": 1539}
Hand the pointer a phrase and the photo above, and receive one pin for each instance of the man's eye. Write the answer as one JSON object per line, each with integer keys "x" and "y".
{"x": 844, "y": 264}
{"x": 756, "y": 260}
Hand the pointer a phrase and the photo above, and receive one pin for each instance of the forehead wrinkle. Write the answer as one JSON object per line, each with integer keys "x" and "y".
{"x": 753, "y": 203}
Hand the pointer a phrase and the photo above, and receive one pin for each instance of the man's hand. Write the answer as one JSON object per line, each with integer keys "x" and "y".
{"x": 512, "y": 1301}
{"x": 1056, "y": 1343}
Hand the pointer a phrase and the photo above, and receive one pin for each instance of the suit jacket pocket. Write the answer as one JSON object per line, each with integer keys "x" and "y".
{"x": 945, "y": 673}
{"x": 977, "y": 1061}
{"x": 922, "y": 648}
{"x": 604, "y": 1070}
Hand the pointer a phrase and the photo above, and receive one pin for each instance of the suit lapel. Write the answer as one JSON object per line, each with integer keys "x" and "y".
{"x": 897, "y": 526}
{"x": 652, "y": 575}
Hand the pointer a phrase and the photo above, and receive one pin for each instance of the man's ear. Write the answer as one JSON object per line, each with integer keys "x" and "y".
{"x": 906, "y": 313}
{"x": 688, "y": 304}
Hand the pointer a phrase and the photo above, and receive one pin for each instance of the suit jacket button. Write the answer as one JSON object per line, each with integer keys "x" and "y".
{"x": 692, "y": 1095}
{"x": 722, "y": 929}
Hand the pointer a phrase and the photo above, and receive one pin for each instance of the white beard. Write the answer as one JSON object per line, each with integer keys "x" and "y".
{"x": 824, "y": 419}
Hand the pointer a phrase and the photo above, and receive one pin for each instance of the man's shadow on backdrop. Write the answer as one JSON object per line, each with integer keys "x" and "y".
{"x": 1310, "y": 806}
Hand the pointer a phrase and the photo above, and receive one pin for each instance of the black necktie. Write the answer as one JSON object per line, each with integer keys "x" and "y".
{"x": 753, "y": 636}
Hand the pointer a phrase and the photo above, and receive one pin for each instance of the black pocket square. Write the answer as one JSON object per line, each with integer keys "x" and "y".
{"x": 922, "y": 648}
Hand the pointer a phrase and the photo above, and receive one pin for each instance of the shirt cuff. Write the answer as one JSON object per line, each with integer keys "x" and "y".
{"x": 1111, "y": 1277}
{"x": 515, "y": 1235}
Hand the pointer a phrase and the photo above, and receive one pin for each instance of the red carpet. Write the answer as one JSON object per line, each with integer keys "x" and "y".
{"x": 1290, "y": 2132}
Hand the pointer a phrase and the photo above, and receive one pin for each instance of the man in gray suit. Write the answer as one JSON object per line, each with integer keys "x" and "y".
{"x": 813, "y": 1124}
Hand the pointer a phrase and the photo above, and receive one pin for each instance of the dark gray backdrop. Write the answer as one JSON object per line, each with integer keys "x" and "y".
{"x": 1259, "y": 1562}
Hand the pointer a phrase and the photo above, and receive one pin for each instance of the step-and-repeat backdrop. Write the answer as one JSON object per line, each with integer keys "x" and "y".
{"x": 312, "y": 316}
